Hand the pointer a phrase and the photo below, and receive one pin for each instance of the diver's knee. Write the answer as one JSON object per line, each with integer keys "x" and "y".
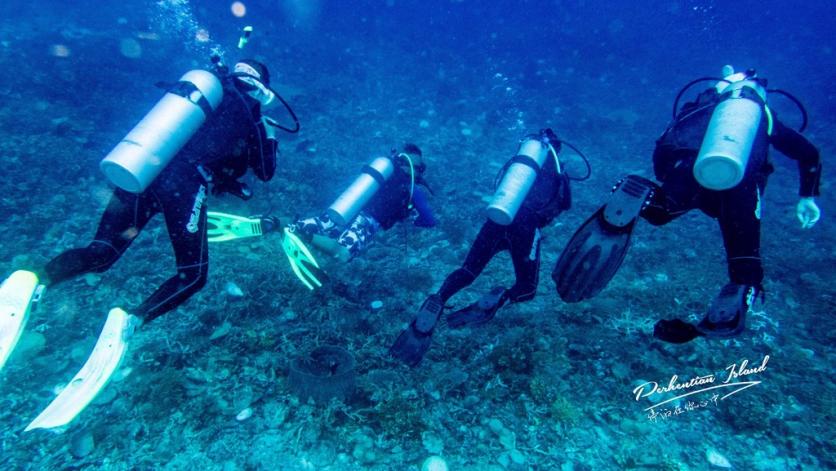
{"x": 104, "y": 254}
{"x": 194, "y": 278}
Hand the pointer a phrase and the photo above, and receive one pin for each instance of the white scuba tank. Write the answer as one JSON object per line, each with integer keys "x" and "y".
{"x": 145, "y": 151}
{"x": 517, "y": 181}
{"x": 727, "y": 144}
{"x": 355, "y": 197}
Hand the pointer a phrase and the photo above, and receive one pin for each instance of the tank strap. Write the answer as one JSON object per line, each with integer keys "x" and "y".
{"x": 372, "y": 172}
{"x": 769, "y": 121}
{"x": 746, "y": 92}
{"x": 190, "y": 92}
{"x": 525, "y": 160}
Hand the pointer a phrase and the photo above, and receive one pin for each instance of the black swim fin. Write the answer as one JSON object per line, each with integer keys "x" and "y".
{"x": 595, "y": 252}
{"x": 675, "y": 331}
{"x": 414, "y": 341}
{"x": 481, "y": 311}
{"x": 726, "y": 318}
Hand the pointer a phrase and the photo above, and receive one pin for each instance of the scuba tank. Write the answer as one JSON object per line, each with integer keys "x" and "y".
{"x": 518, "y": 179}
{"x": 145, "y": 151}
{"x": 724, "y": 152}
{"x": 355, "y": 197}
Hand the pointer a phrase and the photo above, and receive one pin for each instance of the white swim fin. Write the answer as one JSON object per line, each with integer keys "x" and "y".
{"x": 94, "y": 375}
{"x": 16, "y": 295}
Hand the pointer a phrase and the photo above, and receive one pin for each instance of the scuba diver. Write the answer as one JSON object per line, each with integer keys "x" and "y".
{"x": 386, "y": 192}
{"x": 532, "y": 190}
{"x": 201, "y": 137}
{"x": 714, "y": 157}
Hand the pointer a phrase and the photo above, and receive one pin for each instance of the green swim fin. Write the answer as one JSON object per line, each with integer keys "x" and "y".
{"x": 223, "y": 227}
{"x": 302, "y": 260}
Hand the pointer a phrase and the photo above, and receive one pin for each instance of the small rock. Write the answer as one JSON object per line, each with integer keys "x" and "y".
{"x": 244, "y": 414}
{"x": 30, "y": 344}
{"x": 434, "y": 463}
{"x": 105, "y": 397}
{"x": 717, "y": 460}
{"x": 82, "y": 444}
{"x": 432, "y": 443}
{"x": 92, "y": 279}
{"x": 233, "y": 290}
{"x": 517, "y": 457}
{"x": 221, "y": 331}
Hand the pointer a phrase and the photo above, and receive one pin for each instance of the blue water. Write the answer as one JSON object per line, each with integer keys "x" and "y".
{"x": 545, "y": 385}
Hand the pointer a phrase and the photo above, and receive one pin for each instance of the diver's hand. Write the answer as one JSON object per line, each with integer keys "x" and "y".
{"x": 808, "y": 212}
{"x": 273, "y": 224}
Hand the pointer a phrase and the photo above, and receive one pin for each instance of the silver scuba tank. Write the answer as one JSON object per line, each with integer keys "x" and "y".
{"x": 517, "y": 181}
{"x": 355, "y": 197}
{"x": 145, "y": 151}
{"x": 727, "y": 144}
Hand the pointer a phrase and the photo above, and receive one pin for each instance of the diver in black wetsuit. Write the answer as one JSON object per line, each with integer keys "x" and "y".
{"x": 201, "y": 137}
{"x": 737, "y": 210}
{"x": 713, "y": 157}
{"x": 233, "y": 139}
{"x": 548, "y": 196}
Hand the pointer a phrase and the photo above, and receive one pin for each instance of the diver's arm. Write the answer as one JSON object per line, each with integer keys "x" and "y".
{"x": 422, "y": 205}
{"x": 264, "y": 152}
{"x": 795, "y": 146}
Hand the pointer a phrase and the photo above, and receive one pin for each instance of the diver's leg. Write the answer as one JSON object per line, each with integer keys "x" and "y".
{"x": 357, "y": 237}
{"x": 740, "y": 223}
{"x": 185, "y": 219}
{"x": 675, "y": 197}
{"x": 124, "y": 218}
{"x": 488, "y": 243}
{"x": 414, "y": 341}
{"x": 739, "y": 216}
{"x": 525, "y": 255}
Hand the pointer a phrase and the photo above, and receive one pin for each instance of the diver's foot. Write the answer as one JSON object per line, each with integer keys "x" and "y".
{"x": 726, "y": 317}
{"x": 479, "y": 312}
{"x": 414, "y": 341}
{"x": 411, "y": 346}
{"x": 428, "y": 314}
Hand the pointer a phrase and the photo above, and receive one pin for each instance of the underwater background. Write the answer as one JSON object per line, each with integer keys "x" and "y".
{"x": 546, "y": 385}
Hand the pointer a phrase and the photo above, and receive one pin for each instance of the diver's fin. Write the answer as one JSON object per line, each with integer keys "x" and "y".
{"x": 223, "y": 227}
{"x": 93, "y": 376}
{"x": 302, "y": 260}
{"x": 16, "y": 295}
{"x": 414, "y": 341}
{"x": 481, "y": 311}
{"x": 726, "y": 317}
{"x": 675, "y": 331}
{"x": 595, "y": 252}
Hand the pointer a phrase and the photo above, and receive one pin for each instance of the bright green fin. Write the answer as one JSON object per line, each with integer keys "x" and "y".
{"x": 94, "y": 375}
{"x": 223, "y": 227}
{"x": 302, "y": 260}
{"x": 15, "y": 302}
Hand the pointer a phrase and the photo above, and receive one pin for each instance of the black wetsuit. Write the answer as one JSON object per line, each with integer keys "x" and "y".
{"x": 736, "y": 209}
{"x": 548, "y": 197}
{"x": 230, "y": 141}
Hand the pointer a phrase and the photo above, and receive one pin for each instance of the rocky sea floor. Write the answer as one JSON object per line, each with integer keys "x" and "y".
{"x": 545, "y": 385}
